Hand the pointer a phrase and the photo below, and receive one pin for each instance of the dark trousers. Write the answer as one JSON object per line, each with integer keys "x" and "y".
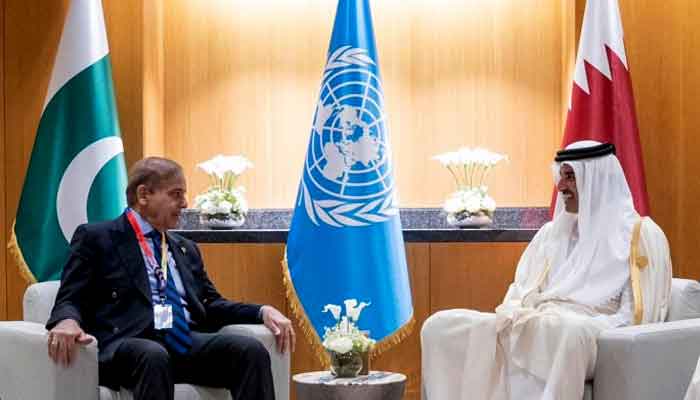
{"x": 145, "y": 366}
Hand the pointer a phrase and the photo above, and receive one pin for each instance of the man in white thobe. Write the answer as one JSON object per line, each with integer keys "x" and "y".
{"x": 596, "y": 265}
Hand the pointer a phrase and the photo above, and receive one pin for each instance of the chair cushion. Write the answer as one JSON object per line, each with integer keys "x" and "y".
{"x": 685, "y": 300}
{"x": 182, "y": 392}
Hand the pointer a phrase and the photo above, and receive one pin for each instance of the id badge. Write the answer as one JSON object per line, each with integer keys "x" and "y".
{"x": 163, "y": 316}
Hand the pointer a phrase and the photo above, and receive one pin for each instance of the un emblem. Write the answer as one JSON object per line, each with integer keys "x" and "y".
{"x": 348, "y": 163}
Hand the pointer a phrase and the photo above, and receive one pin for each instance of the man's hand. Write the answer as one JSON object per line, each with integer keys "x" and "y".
{"x": 63, "y": 339}
{"x": 281, "y": 327}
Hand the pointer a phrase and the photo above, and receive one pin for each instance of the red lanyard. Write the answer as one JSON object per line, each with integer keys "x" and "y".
{"x": 152, "y": 263}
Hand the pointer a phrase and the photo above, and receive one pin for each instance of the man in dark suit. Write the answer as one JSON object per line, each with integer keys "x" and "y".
{"x": 146, "y": 297}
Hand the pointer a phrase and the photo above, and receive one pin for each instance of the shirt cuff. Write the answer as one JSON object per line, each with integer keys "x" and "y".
{"x": 260, "y": 312}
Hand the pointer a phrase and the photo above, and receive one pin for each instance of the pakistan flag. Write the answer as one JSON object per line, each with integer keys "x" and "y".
{"x": 76, "y": 173}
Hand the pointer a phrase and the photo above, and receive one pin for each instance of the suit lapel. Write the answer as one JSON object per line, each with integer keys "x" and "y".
{"x": 132, "y": 259}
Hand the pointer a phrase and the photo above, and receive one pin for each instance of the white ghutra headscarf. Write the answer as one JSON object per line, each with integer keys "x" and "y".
{"x": 597, "y": 268}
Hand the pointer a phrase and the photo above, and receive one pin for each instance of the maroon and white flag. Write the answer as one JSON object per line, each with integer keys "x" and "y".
{"x": 602, "y": 104}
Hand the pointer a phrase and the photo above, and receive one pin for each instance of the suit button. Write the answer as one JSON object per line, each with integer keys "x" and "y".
{"x": 114, "y": 295}
{"x": 115, "y": 330}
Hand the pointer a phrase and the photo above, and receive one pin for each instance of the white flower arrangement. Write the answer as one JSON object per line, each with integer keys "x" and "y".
{"x": 470, "y": 200}
{"x": 223, "y": 197}
{"x": 345, "y": 336}
{"x": 470, "y": 168}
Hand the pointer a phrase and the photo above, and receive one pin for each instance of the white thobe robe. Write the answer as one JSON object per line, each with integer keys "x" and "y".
{"x": 532, "y": 348}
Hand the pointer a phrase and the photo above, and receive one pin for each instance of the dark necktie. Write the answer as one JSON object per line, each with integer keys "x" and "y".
{"x": 178, "y": 337}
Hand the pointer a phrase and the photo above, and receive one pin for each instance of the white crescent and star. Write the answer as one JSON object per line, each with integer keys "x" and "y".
{"x": 77, "y": 179}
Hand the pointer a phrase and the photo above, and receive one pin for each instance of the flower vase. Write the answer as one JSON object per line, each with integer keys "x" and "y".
{"x": 365, "y": 363}
{"x": 345, "y": 365}
{"x": 222, "y": 221}
{"x": 466, "y": 219}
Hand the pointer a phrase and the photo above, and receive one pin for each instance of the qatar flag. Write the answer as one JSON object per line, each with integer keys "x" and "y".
{"x": 602, "y": 104}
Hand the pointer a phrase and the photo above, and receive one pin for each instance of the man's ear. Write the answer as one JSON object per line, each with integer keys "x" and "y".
{"x": 142, "y": 193}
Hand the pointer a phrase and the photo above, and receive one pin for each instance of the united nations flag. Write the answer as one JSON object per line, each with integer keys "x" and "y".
{"x": 345, "y": 239}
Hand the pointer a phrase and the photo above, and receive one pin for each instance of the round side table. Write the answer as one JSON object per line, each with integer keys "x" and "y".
{"x": 378, "y": 385}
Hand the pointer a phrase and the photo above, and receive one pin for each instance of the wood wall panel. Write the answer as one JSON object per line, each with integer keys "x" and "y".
{"x": 686, "y": 245}
{"x": 251, "y": 273}
{"x": 3, "y": 170}
{"x": 124, "y": 20}
{"x": 153, "y": 78}
{"x": 569, "y": 39}
{"x": 471, "y": 275}
{"x": 29, "y": 55}
{"x": 651, "y": 76}
{"x": 243, "y": 77}
{"x": 480, "y": 73}
{"x": 28, "y": 61}
{"x": 666, "y": 80}
{"x": 663, "y": 71}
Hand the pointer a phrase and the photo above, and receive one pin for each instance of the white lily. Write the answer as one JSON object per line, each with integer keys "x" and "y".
{"x": 346, "y": 328}
{"x": 470, "y": 168}
{"x": 350, "y": 305}
{"x": 447, "y": 159}
{"x": 220, "y": 165}
{"x": 352, "y": 310}
{"x": 223, "y": 196}
{"x": 334, "y": 309}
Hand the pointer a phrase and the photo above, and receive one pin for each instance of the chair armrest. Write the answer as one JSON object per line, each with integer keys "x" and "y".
{"x": 653, "y": 361}
{"x": 279, "y": 362}
{"x": 26, "y": 372}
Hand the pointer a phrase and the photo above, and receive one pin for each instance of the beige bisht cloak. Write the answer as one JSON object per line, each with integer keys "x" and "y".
{"x": 541, "y": 341}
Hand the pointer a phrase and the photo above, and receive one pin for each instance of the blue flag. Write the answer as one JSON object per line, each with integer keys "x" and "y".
{"x": 345, "y": 240}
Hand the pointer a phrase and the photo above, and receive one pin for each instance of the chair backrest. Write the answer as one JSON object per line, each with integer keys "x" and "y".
{"x": 684, "y": 303}
{"x": 38, "y": 301}
{"x": 685, "y": 300}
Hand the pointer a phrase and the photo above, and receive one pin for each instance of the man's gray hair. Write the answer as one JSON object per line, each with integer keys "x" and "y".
{"x": 151, "y": 172}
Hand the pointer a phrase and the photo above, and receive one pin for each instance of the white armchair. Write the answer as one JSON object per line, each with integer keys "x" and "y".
{"x": 652, "y": 361}
{"x": 27, "y": 373}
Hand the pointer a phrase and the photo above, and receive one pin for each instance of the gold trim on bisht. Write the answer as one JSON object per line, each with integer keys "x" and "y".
{"x": 16, "y": 254}
{"x": 312, "y": 337}
{"x": 637, "y": 263}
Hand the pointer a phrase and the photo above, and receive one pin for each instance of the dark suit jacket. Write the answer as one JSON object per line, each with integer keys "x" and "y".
{"x": 104, "y": 286}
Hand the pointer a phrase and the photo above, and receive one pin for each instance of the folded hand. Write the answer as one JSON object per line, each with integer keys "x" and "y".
{"x": 281, "y": 327}
{"x": 63, "y": 339}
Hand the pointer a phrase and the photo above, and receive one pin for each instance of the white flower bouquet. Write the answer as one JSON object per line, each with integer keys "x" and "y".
{"x": 223, "y": 200}
{"x": 470, "y": 169}
{"x": 344, "y": 341}
{"x": 345, "y": 336}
